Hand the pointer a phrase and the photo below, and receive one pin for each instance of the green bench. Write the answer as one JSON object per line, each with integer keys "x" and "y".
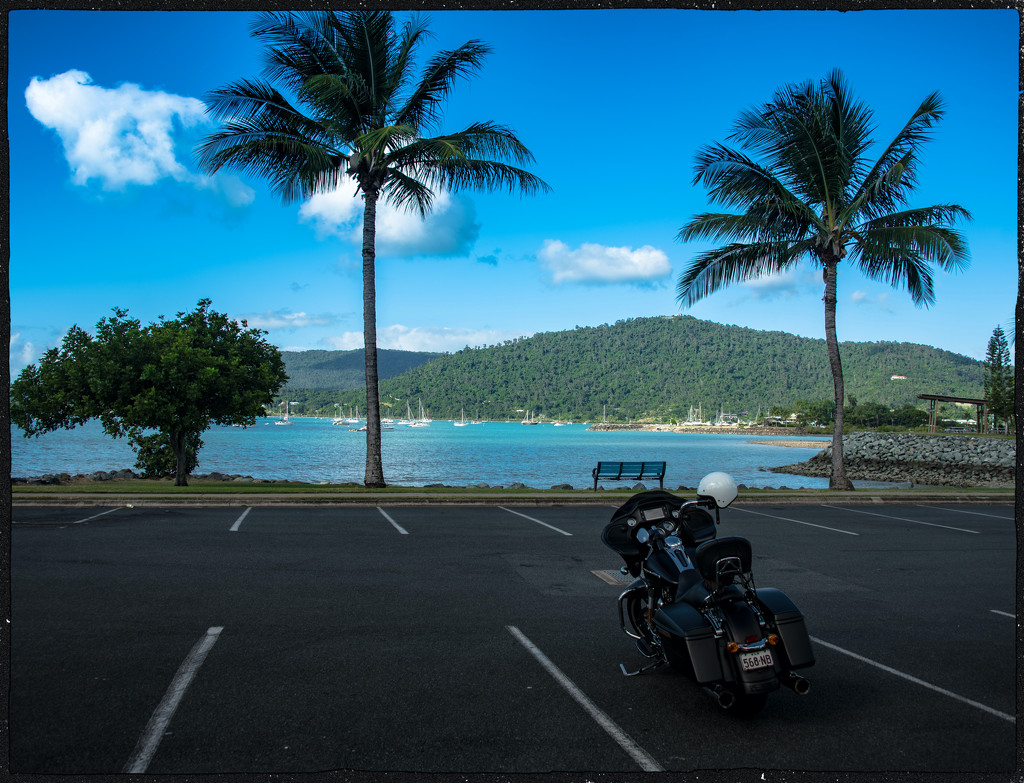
{"x": 629, "y": 471}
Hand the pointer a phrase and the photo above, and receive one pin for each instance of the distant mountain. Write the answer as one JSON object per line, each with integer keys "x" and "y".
{"x": 341, "y": 370}
{"x": 659, "y": 367}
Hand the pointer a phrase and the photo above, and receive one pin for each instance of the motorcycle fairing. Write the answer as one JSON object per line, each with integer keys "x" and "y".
{"x": 694, "y": 525}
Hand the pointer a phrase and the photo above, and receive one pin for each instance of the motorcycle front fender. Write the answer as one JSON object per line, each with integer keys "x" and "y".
{"x": 636, "y": 590}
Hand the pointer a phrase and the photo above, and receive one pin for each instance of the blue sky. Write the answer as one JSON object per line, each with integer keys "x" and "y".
{"x": 109, "y": 210}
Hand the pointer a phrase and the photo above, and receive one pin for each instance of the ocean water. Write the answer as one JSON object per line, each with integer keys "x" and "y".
{"x": 495, "y": 453}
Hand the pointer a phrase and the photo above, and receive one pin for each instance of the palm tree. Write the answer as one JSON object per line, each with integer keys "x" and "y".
{"x": 359, "y": 117}
{"x": 815, "y": 195}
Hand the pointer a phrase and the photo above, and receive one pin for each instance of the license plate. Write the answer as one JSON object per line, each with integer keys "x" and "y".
{"x": 756, "y": 660}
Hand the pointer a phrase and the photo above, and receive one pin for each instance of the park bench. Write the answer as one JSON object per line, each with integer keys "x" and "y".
{"x": 631, "y": 471}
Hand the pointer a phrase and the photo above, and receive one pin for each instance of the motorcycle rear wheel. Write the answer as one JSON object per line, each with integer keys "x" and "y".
{"x": 748, "y": 706}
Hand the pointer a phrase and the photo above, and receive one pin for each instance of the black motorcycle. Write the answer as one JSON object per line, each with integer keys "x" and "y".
{"x": 693, "y": 603}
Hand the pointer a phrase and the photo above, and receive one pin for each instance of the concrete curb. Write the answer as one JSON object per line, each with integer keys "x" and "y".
{"x": 576, "y": 498}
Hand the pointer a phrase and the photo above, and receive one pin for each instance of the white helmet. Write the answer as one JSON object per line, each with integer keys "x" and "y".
{"x": 718, "y": 486}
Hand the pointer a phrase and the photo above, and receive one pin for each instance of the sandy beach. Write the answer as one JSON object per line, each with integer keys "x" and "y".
{"x": 800, "y": 444}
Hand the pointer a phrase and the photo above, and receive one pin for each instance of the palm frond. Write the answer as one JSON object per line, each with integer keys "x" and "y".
{"x": 888, "y": 183}
{"x": 899, "y": 249}
{"x": 735, "y": 263}
{"x": 404, "y": 191}
{"x": 760, "y": 223}
{"x": 733, "y": 179}
{"x": 421, "y": 109}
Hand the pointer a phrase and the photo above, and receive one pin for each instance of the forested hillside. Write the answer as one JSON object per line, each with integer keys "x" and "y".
{"x": 656, "y": 368}
{"x": 340, "y": 370}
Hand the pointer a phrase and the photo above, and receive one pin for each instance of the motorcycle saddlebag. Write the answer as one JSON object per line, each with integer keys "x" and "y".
{"x": 796, "y": 644}
{"x": 680, "y": 624}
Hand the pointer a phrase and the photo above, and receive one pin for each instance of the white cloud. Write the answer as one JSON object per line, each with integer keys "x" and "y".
{"x": 787, "y": 283}
{"x": 21, "y": 354}
{"x": 281, "y": 319}
{"x": 333, "y": 212}
{"x": 592, "y": 263}
{"x": 450, "y": 229}
{"x": 879, "y": 301}
{"x": 118, "y": 136}
{"x": 434, "y": 339}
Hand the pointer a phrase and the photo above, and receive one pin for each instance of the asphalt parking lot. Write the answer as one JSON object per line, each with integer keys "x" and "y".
{"x": 486, "y": 639}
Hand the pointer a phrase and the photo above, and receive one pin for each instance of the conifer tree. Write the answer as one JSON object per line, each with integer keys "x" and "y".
{"x": 999, "y": 377}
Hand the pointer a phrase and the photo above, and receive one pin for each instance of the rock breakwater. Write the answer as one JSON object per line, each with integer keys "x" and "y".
{"x": 934, "y": 460}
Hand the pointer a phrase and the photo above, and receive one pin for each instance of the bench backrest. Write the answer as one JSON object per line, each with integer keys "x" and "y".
{"x": 632, "y": 469}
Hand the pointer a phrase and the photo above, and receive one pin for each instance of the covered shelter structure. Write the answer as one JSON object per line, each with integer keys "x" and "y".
{"x": 982, "y": 407}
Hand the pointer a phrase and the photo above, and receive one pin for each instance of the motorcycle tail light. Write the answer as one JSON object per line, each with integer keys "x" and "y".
{"x": 773, "y": 639}
{"x": 732, "y": 647}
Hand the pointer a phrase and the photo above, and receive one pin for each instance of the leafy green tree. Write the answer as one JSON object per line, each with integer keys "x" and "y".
{"x": 814, "y": 195}
{"x": 999, "y": 385}
{"x": 155, "y": 455}
{"x": 176, "y": 377}
{"x": 817, "y": 412}
{"x": 360, "y": 114}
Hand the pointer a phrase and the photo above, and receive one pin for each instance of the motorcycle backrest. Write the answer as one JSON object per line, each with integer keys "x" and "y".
{"x": 698, "y": 525}
{"x": 722, "y": 559}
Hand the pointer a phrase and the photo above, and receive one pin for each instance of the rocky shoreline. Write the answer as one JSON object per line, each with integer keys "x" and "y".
{"x": 932, "y": 460}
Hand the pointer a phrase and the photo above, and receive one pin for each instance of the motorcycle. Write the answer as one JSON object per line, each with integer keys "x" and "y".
{"x": 693, "y": 603}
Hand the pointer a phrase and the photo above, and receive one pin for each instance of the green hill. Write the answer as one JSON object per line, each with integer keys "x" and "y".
{"x": 656, "y": 368}
{"x": 341, "y": 370}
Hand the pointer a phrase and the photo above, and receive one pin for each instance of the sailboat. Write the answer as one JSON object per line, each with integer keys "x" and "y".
{"x": 529, "y": 419}
{"x": 285, "y": 419}
{"x": 422, "y": 421}
{"x": 462, "y": 422}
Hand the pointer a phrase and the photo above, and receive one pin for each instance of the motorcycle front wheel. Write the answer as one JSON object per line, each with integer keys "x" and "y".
{"x": 636, "y": 611}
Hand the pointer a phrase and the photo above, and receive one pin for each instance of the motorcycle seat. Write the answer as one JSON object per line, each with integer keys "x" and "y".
{"x": 728, "y": 593}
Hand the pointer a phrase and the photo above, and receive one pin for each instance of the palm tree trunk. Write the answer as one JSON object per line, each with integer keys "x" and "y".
{"x": 838, "y": 479}
{"x": 374, "y": 469}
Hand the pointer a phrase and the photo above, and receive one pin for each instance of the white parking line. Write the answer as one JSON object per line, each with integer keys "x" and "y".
{"x": 238, "y": 522}
{"x": 95, "y": 516}
{"x": 1004, "y": 614}
{"x": 798, "y": 521}
{"x": 639, "y": 755}
{"x": 558, "y": 530}
{"x": 901, "y": 519}
{"x": 915, "y": 680}
{"x": 154, "y": 731}
{"x": 398, "y": 527}
{"x": 974, "y": 513}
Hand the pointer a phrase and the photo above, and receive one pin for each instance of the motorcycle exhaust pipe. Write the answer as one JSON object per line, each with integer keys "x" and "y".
{"x": 796, "y": 683}
{"x": 726, "y": 698}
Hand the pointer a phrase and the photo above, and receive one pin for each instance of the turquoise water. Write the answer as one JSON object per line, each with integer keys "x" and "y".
{"x": 495, "y": 453}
